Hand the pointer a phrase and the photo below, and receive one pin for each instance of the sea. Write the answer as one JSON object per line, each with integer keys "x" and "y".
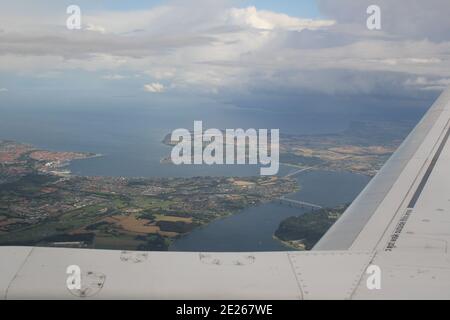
{"x": 129, "y": 138}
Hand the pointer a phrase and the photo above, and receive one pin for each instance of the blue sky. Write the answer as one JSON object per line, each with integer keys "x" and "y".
{"x": 298, "y": 8}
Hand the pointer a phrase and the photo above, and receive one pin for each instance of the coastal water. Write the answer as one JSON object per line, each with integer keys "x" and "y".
{"x": 129, "y": 138}
{"x": 252, "y": 229}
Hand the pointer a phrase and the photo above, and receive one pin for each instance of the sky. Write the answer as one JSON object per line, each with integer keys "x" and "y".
{"x": 302, "y": 8}
{"x": 245, "y": 52}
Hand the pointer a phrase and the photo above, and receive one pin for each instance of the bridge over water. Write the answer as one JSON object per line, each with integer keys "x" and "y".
{"x": 298, "y": 172}
{"x": 298, "y": 203}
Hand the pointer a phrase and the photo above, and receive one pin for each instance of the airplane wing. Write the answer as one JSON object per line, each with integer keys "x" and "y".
{"x": 400, "y": 225}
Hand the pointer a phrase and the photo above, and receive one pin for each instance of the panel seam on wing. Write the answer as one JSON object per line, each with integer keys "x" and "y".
{"x": 296, "y": 276}
{"x": 17, "y": 273}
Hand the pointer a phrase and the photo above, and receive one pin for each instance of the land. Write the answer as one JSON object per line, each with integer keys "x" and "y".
{"x": 18, "y": 160}
{"x": 303, "y": 232}
{"x": 41, "y": 203}
{"x": 363, "y": 148}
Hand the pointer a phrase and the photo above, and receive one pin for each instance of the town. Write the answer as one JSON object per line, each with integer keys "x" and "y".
{"x": 41, "y": 203}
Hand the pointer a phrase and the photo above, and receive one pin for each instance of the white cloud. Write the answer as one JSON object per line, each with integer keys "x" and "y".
{"x": 4, "y": 90}
{"x": 262, "y": 19}
{"x": 114, "y": 77}
{"x": 95, "y": 28}
{"x": 412, "y": 19}
{"x": 428, "y": 84}
{"x": 222, "y": 48}
{"x": 129, "y": 21}
{"x": 154, "y": 87}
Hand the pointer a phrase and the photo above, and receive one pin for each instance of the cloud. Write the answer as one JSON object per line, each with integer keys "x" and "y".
{"x": 3, "y": 90}
{"x": 114, "y": 77}
{"x": 424, "y": 83}
{"x": 154, "y": 87}
{"x": 262, "y": 19}
{"x": 95, "y": 28}
{"x": 224, "y": 50}
{"x": 413, "y": 19}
